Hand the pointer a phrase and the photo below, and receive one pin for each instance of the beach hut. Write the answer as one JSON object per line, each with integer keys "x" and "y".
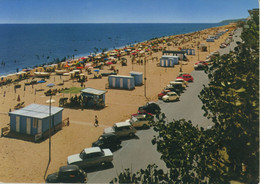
{"x": 169, "y": 61}
{"x": 210, "y": 40}
{"x": 189, "y": 51}
{"x": 93, "y": 98}
{"x": 138, "y": 76}
{"x": 34, "y": 119}
{"x": 180, "y": 54}
{"x": 121, "y": 82}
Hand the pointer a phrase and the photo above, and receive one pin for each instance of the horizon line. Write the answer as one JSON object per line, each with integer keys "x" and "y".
{"x": 117, "y": 23}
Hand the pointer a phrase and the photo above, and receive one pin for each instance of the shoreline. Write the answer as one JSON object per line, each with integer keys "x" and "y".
{"x": 110, "y": 49}
{"x": 120, "y": 104}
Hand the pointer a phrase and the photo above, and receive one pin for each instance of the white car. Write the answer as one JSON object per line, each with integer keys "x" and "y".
{"x": 178, "y": 83}
{"x": 89, "y": 157}
{"x": 121, "y": 129}
{"x": 182, "y": 81}
{"x": 171, "y": 96}
{"x": 140, "y": 121}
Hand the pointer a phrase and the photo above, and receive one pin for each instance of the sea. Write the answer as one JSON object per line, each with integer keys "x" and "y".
{"x": 30, "y": 45}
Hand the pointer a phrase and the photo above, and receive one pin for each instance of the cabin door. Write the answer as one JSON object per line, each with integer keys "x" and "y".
{"x": 17, "y": 124}
{"x": 39, "y": 126}
{"x": 28, "y": 126}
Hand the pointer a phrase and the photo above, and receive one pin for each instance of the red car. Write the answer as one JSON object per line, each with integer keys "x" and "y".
{"x": 164, "y": 92}
{"x": 200, "y": 65}
{"x": 201, "y": 62}
{"x": 186, "y": 77}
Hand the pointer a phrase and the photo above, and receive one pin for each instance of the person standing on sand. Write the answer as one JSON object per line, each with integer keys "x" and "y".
{"x": 96, "y": 121}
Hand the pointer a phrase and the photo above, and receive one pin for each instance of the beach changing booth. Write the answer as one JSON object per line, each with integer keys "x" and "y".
{"x": 180, "y": 54}
{"x": 93, "y": 98}
{"x": 189, "y": 51}
{"x": 121, "y": 82}
{"x": 138, "y": 76}
{"x": 35, "y": 118}
{"x": 169, "y": 61}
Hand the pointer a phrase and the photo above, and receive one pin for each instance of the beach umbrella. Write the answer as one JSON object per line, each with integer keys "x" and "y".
{"x": 50, "y": 85}
{"x": 109, "y": 63}
{"x": 66, "y": 66}
{"x": 80, "y": 67}
{"x": 96, "y": 70}
{"x": 41, "y": 81}
{"x": 81, "y": 62}
{"x": 105, "y": 59}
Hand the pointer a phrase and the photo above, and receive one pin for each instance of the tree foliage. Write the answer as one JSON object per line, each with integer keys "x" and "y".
{"x": 231, "y": 100}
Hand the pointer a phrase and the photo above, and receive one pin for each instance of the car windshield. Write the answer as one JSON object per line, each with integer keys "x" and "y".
{"x": 114, "y": 127}
{"x": 81, "y": 155}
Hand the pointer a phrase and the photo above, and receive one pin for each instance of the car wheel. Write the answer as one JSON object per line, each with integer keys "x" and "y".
{"x": 145, "y": 126}
{"x": 131, "y": 135}
{"x": 167, "y": 100}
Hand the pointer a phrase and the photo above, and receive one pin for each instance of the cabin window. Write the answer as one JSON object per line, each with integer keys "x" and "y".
{"x": 35, "y": 123}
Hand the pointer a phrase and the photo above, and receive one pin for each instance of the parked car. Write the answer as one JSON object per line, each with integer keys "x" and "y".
{"x": 182, "y": 81}
{"x": 174, "y": 89}
{"x": 121, "y": 129}
{"x": 179, "y": 83}
{"x": 164, "y": 92}
{"x": 150, "y": 107}
{"x": 222, "y": 45}
{"x": 89, "y": 157}
{"x": 68, "y": 174}
{"x": 171, "y": 96}
{"x": 140, "y": 121}
{"x": 108, "y": 140}
{"x": 201, "y": 65}
{"x": 186, "y": 77}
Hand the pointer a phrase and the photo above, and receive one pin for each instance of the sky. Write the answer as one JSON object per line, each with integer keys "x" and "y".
{"x": 123, "y": 11}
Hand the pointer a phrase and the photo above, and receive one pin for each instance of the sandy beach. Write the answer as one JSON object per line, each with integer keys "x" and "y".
{"x": 24, "y": 161}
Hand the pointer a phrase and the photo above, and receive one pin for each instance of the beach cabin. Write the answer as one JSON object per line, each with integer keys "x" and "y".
{"x": 121, "y": 82}
{"x": 210, "y": 40}
{"x": 169, "y": 61}
{"x": 35, "y": 118}
{"x": 189, "y": 51}
{"x": 138, "y": 77}
{"x": 93, "y": 98}
{"x": 180, "y": 54}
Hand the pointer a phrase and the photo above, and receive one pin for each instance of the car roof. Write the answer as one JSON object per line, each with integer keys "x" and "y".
{"x": 69, "y": 168}
{"x": 92, "y": 150}
{"x": 108, "y": 135}
{"x": 180, "y": 79}
{"x": 171, "y": 93}
{"x": 122, "y": 124}
{"x": 186, "y": 75}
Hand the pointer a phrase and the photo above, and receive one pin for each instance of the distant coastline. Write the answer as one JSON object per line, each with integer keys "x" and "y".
{"x": 32, "y": 45}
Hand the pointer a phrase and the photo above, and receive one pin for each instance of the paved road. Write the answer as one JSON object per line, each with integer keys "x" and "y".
{"x": 137, "y": 153}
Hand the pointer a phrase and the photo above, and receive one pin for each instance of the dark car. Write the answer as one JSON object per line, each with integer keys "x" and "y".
{"x": 150, "y": 107}
{"x": 174, "y": 89}
{"x": 68, "y": 174}
{"x": 108, "y": 140}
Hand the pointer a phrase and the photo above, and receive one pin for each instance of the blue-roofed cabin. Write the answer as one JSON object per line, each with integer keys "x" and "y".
{"x": 93, "y": 98}
{"x": 138, "y": 78}
{"x": 35, "y": 118}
